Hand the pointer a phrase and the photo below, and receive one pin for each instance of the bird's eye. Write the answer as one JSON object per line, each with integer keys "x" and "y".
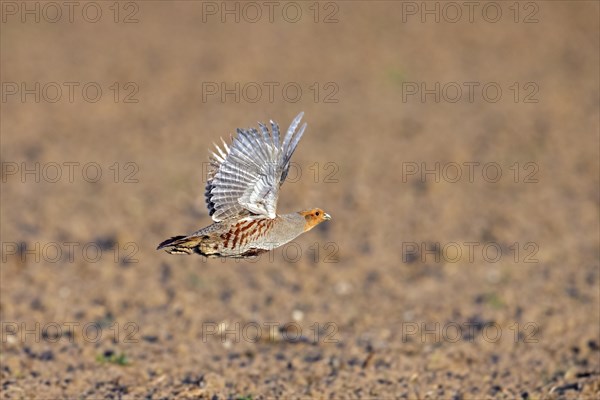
{"x": 317, "y": 214}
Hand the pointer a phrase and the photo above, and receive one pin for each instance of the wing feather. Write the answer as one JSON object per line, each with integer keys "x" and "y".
{"x": 275, "y": 133}
{"x": 246, "y": 176}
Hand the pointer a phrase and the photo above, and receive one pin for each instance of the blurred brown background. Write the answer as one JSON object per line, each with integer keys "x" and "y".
{"x": 375, "y": 303}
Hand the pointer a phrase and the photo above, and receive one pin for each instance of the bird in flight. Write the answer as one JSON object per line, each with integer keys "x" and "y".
{"x": 241, "y": 195}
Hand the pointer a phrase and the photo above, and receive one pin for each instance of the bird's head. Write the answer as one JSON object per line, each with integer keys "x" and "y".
{"x": 313, "y": 218}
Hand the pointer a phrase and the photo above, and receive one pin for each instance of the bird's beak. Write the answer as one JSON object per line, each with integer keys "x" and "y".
{"x": 326, "y": 216}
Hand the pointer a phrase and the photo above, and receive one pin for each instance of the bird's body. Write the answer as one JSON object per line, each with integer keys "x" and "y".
{"x": 241, "y": 196}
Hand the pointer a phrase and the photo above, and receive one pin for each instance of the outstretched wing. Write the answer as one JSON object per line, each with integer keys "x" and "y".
{"x": 245, "y": 177}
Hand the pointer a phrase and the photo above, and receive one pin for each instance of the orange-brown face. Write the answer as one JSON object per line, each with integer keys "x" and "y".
{"x": 314, "y": 217}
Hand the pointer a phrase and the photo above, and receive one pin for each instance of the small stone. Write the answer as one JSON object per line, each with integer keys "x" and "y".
{"x": 297, "y": 315}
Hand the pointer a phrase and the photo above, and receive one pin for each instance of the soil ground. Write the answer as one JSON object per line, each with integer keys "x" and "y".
{"x": 459, "y": 159}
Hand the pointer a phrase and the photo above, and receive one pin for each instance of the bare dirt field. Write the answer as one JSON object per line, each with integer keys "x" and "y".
{"x": 455, "y": 145}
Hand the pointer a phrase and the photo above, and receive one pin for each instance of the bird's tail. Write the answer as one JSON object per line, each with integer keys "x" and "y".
{"x": 182, "y": 245}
